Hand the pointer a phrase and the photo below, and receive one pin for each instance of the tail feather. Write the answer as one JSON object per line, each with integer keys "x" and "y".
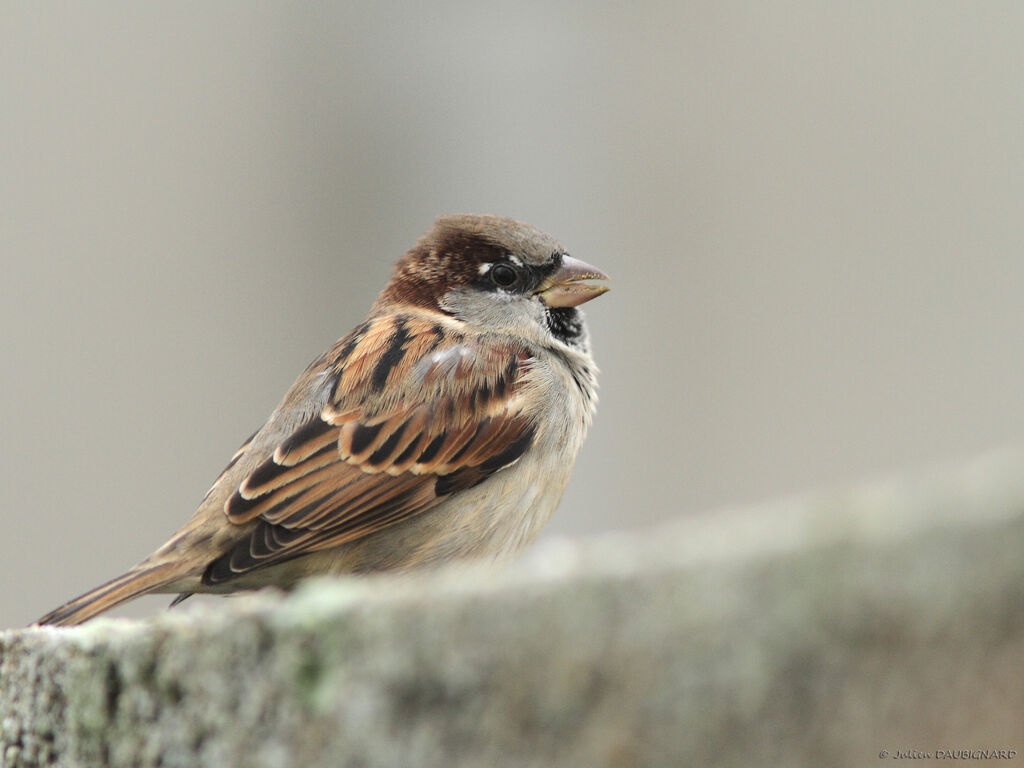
{"x": 138, "y": 581}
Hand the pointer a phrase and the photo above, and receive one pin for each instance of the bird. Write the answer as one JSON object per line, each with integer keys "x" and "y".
{"x": 442, "y": 428}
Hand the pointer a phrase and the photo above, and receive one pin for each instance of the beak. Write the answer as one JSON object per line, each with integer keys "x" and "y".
{"x": 564, "y": 289}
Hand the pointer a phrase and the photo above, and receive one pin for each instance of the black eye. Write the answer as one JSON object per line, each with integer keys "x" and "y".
{"x": 503, "y": 275}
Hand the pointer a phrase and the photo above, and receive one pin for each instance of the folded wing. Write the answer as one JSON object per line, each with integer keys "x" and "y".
{"x": 418, "y": 411}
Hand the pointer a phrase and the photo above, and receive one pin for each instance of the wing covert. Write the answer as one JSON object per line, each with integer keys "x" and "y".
{"x": 418, "y": 411}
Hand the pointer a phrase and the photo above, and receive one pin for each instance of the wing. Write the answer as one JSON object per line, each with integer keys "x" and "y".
{"x": 418, "y": 411}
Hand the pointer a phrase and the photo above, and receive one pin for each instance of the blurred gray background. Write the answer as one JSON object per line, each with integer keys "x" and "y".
{"x": 812, "y": 215}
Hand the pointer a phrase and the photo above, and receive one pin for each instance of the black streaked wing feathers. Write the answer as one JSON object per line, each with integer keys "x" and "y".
{"x": 370, "y": 460}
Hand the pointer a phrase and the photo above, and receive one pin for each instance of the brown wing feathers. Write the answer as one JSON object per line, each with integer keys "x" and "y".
{"x": 370, "y": 460}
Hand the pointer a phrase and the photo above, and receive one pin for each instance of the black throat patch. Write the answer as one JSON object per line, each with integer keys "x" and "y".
{"x": 565, "y": 324}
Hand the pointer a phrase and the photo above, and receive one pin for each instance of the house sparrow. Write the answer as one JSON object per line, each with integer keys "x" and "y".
{"x": 445, "y": 426}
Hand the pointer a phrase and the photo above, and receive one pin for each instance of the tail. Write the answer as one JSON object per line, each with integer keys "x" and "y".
{"x": 138, "y": 581}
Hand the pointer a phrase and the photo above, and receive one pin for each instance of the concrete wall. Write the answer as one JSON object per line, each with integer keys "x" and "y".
{"x": 816, "y": 631}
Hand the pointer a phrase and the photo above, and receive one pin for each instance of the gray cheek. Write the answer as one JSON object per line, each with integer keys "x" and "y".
{"x": 497, "y": 311}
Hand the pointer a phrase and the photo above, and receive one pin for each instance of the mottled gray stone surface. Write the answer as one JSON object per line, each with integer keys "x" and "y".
{"x": 816, "y": 631}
